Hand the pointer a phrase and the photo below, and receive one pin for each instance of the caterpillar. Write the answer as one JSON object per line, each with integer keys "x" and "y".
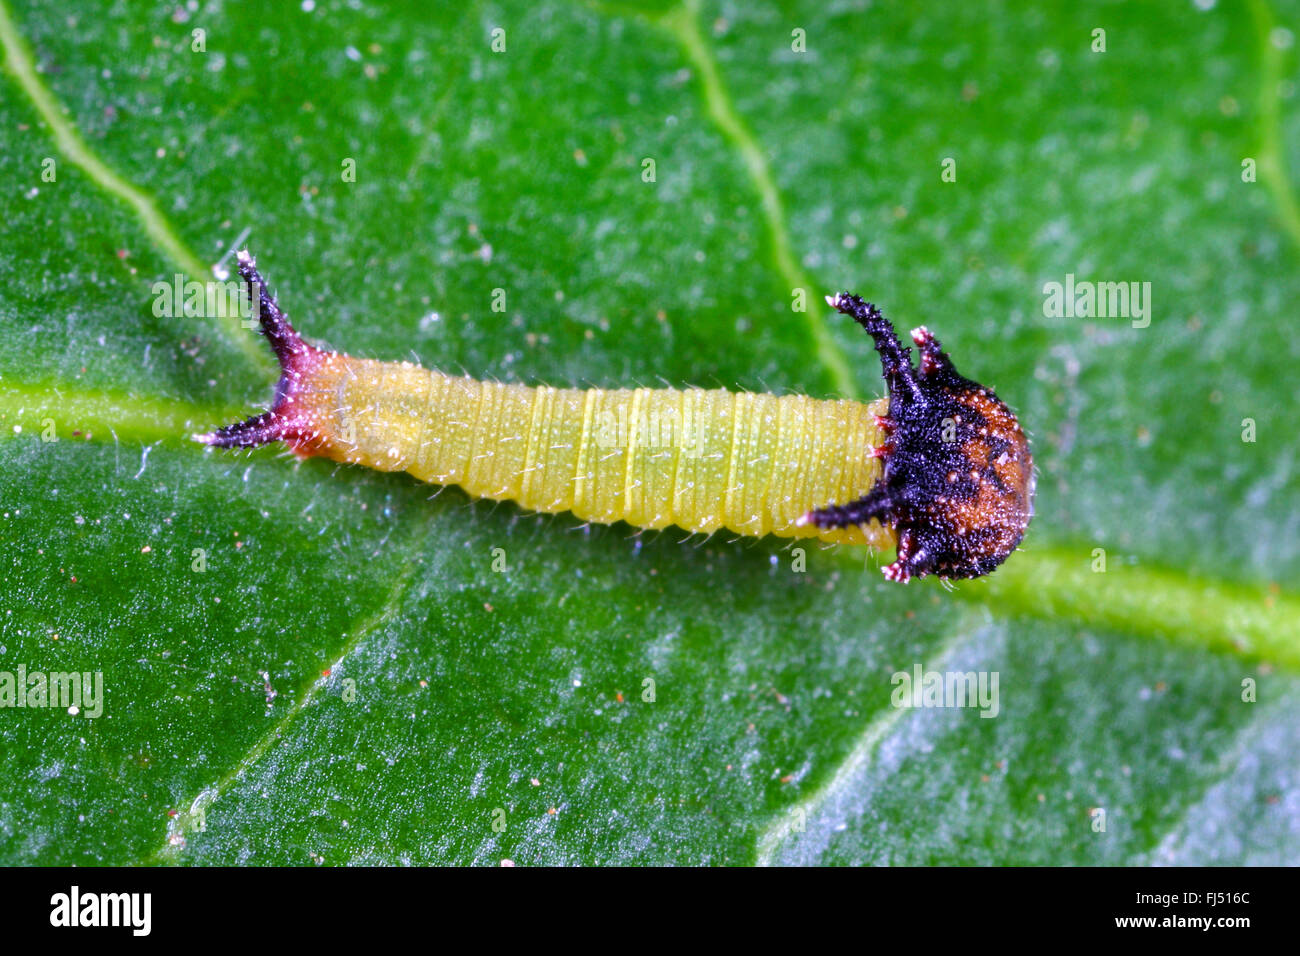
{"x": 940, "y": 467}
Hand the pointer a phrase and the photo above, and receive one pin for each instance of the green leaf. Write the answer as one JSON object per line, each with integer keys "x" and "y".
{"x": 304, "y": 662}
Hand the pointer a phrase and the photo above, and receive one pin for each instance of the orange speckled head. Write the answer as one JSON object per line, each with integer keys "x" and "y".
{"x": 958, "y": 482}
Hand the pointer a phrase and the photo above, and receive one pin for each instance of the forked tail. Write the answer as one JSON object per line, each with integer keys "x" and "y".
{"x": 287, "y": 420}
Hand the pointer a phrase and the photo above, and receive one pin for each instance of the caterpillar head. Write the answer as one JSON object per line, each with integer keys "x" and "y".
{"x": 958, "y": 478}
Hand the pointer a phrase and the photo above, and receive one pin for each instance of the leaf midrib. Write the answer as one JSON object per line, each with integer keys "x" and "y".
{"x": 1048, "y": 578}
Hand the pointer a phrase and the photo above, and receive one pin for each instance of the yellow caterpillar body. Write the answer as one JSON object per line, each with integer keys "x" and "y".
{"x": 701, "y": 459}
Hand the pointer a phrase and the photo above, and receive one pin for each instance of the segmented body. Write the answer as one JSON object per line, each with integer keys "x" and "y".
{"x": 704, "y": 460}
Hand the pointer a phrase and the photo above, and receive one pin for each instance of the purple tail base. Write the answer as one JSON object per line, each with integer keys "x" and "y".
{"x": 286, "y": 421}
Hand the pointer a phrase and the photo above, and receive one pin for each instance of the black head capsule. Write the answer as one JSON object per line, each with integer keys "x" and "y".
{"x": 958, "y": 480}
